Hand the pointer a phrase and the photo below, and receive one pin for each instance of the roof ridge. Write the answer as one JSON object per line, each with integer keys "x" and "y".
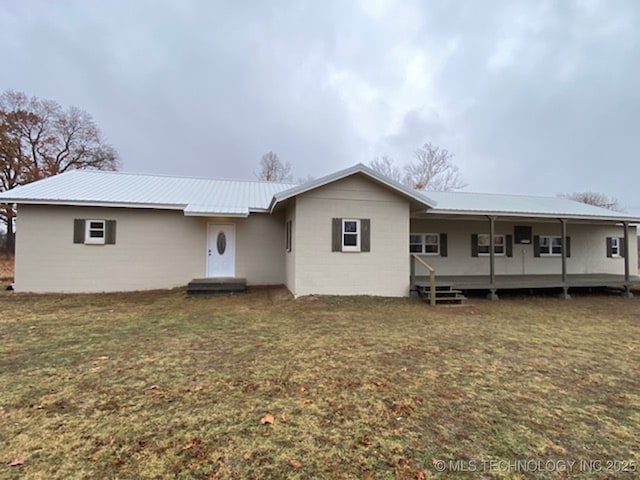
{"x": 185, "y": 177}
{"x": 496, "y": 194}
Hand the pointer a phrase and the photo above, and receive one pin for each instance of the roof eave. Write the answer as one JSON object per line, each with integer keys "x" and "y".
{"x": 501, "y": 213}
{"x": 93, "y": 203}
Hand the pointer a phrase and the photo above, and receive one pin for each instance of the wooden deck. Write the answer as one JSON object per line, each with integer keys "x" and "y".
{"x": 517, "y": 282}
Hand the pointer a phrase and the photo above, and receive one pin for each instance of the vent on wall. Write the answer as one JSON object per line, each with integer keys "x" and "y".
{"x": 522, "y": 234}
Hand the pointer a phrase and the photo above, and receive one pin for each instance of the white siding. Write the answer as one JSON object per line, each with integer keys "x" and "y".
{"x": 382, "y": 271}
{"x": 588, "y": 248}
{"x": 154, "y": 249}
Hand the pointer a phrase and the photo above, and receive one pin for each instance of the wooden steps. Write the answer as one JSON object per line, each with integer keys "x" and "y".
{"x": 216, "y": 286}
{"x": 444, "y": 294}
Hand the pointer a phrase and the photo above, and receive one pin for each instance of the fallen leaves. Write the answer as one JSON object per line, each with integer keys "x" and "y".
{"x": 295, "y": 464}
{"x": 268, "y": 419}
{"x": 17, "y": 462}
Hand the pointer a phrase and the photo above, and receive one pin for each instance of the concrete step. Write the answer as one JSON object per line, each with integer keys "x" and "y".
{"x": 216, "y": 286}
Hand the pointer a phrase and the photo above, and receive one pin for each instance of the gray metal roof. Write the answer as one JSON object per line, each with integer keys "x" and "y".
{"x": 463, "y": 203}
{"x": 208, "y": 197}
{"x": 195, "y": 196}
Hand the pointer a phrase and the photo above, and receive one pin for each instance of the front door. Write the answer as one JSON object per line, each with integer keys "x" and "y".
{"x": 221, "y": 250}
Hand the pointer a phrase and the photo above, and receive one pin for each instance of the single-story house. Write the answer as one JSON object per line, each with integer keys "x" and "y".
{"x": 352, "y": 232}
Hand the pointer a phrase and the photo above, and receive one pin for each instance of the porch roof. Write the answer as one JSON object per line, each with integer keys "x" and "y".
{"x": 519, "y": 206}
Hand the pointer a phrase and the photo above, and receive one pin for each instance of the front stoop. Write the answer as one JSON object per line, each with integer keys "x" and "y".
{"x": 216, "y": 286}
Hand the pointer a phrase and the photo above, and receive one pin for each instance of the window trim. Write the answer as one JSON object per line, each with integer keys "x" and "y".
{"x": 550, "y": 253}
{"x": 288, "y": 236}
{"x": 495, "y": 244}
{"x": 88, "y": 239}
{"x": 423, "y": 244}
{"x": 358, "y": 234}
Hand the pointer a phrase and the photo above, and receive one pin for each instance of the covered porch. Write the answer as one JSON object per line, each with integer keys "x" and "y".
{"x": 491, "y": 252}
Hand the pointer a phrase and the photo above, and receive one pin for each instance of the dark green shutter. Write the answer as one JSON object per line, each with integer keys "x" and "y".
{"x": 536, "y": 245}
{"x": 567, "y": 242}
{"x": 78, "y": 230}
{"x": 474, "y": 245}
{"x": 444, "y": 249}
{"x": 336, "y": 235}
{"x": 110, "y": 234}
{"x": 509, "y": 247}
{"x": 365, "y": 235}
{"x": 621, "y": 247}
{"x": 609, "y": 247}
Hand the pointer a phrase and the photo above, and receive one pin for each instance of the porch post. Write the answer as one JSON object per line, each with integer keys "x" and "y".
{"x": 627, "y": 286}
{"x": 563, "y": 239}
{"x": 492, "y": 260}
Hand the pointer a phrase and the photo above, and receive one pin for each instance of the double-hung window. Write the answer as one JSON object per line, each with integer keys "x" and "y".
{"x": 95, "y": 231}
{"x": 484, "y": 244}
{"x": 351, "y": 235}
{"x": 428, "y": 244}
{"x": 550, "y": 246}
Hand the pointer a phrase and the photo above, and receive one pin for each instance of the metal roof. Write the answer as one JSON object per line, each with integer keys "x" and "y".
{"x": 195, "y": 196}
{"x": 463, "y": 203}
{"x": 209, "y": 197}
{"x": 414, "y": 195}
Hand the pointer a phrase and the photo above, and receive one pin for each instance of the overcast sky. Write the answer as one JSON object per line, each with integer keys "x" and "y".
{"x": 533, "y": 97}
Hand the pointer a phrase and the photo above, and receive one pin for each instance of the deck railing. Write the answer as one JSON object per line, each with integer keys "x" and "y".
{"x": 432, "y": 276}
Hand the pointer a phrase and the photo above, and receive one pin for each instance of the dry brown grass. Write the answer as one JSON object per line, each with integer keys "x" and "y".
{"x": 154, "y": 385}
{"x": 6, "y": 268}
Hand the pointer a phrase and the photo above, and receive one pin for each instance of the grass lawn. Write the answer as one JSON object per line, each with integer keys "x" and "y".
{"x": 155, "y": 385}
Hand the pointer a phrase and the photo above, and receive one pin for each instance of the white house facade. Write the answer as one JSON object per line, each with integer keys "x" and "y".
{"x": 354, "y": 232}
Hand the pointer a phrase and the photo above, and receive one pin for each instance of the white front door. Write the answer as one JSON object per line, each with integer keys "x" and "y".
{"x": 221, "y": 250}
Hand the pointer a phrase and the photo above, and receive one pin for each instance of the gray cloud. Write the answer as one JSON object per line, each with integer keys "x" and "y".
{"x": 531, "y": 96}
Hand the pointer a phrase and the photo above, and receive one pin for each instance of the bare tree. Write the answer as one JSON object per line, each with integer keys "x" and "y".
{"x": 432, "y": 169}
{"x": 38, "y": 139}
{"x": 386, "y": 166}
{"x": 596, "y": 199}
{"x": 273, "y": 170}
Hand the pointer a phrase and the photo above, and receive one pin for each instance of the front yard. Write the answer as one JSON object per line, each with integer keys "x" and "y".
{"x": 154, "y": 385}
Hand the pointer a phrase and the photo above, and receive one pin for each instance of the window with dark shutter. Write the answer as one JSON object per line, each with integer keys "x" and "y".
{"x": 94, "y": 232}
{"x": 350, "y": 235}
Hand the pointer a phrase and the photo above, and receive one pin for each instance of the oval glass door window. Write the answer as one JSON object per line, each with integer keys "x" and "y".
{"x": 221, "y": 243}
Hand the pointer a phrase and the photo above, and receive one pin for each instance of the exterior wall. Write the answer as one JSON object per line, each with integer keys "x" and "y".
{"x": 383, "y": 271}
{"x": 260, "y": 249}
{"x": 588, "y": 248}
{"x": 154, "y": 249}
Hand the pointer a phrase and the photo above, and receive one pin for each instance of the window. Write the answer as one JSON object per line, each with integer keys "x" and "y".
{"x": 484, "y": 244}
{"x": 288, "y": 235}
{"x": 428, "y": 243}
{"x": 95, "y": 231}
{"x": 615, "y": 247}
{"x": 550, "y": 245}
{"x": 350, "y": 235}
